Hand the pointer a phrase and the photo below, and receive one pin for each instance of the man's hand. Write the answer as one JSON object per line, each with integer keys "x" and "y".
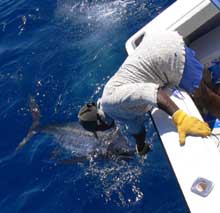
{"x": 189, "y": 125}
{"x": 144, "y": 149}
{"x": 141, "y": 146}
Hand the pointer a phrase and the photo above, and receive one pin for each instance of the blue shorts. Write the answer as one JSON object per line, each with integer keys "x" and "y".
{"x": 215, "y": 72}
{"x": 193, "y": 71}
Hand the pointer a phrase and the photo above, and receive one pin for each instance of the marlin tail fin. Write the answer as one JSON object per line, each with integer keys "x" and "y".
{"x": 35, "y": 113}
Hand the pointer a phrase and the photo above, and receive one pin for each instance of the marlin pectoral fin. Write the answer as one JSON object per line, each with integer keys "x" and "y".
{"x": 122, "y": 155}
{"x": 74, "y": 160}
{"x": 127, "y": 155}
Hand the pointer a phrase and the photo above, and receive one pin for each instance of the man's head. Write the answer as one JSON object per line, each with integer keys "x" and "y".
{"x": 90, "y": 119}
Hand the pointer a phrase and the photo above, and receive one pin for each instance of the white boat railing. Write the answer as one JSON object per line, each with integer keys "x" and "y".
{"x": 183, "y": 16}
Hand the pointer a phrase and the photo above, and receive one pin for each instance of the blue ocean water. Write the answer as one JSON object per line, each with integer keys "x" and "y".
{"x": 62, "y": 52}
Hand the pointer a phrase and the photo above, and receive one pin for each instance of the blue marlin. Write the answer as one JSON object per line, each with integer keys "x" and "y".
{"x": 80, "y": 143}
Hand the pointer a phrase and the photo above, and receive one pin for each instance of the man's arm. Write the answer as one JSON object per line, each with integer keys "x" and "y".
{"x": 185, "y": 124}
{"x": 165, "y": 103}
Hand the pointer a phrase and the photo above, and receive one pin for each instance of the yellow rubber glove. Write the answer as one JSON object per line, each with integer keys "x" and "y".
{"x": 189, "y": 125}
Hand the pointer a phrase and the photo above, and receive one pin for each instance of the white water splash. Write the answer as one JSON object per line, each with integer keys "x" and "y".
{"x": 97, "y": 12}
{"x": 119, "y": 181}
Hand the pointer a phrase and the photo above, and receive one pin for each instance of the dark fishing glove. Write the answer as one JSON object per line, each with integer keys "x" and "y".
{"x": 146, "y": 148}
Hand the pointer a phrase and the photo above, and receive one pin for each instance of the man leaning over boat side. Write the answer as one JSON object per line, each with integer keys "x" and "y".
{"x": 161, "y": 60}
